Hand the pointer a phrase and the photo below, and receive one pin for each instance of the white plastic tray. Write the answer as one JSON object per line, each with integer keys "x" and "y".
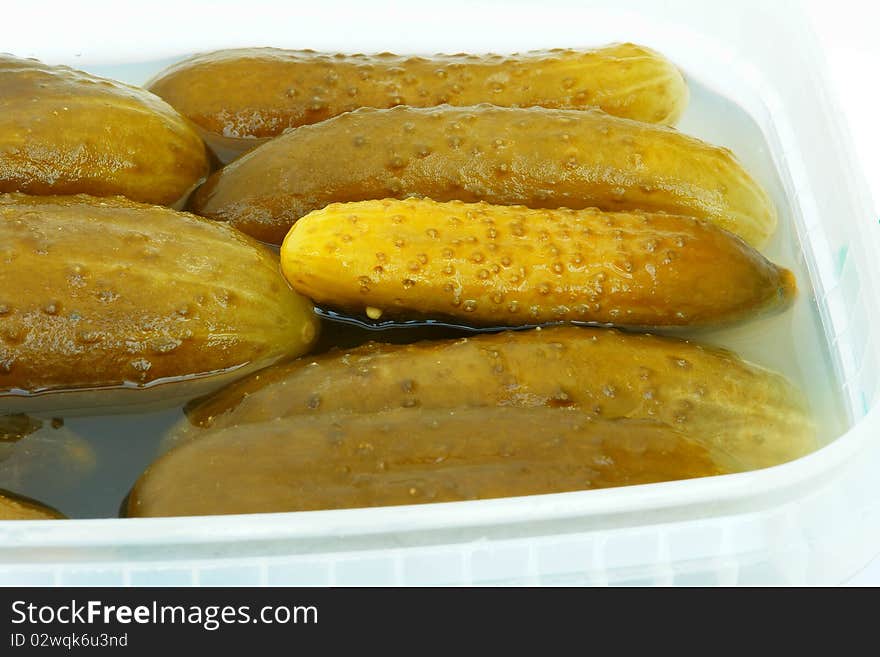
{"x": 816, "y": 520}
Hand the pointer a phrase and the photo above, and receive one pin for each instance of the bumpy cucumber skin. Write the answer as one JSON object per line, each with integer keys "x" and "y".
{"x": 755, "y": 417}
{"x": 245, "y": 95}
{"x": 537, "y": 157}
{"x": 63, "y": 131}
{"x": 107, "y": 292}
{"x": 332, "y": 461}
{"x": 489, "y": 265}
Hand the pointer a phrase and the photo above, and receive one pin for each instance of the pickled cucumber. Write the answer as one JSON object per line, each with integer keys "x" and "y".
{"x": 333, "y": 460}
{"x": 15, "y": 507}
{"x": 752, "y": 414}
{"x": 45, "y": 460}
{"x": 63, "y": 131}
{"x": 509, "y": 265}
{"x": 102, "y": 293}
{"x": 241, "y": 97}
{"x": 537, "y": 157}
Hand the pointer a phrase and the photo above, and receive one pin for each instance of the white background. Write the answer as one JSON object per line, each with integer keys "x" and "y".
{"x": 847, "y": 30}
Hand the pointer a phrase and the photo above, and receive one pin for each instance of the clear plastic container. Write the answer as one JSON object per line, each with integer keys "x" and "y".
{"x": 815, "y": 520}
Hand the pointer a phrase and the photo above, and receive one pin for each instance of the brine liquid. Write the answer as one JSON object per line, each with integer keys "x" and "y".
{"x": 85, "y": 466}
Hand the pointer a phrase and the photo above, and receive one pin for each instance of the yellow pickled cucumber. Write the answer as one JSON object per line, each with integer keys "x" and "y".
{"x": 63, "y": 131}
{"x": 241, "y": 97}
{"x": 334, "y": 460}
{"x": 537, "y": 157}
{"x": 496, "y": 265}
{"x": 16, "y": 507}
{"x": 97, "y": 293}
{"x": 711, "y": 394}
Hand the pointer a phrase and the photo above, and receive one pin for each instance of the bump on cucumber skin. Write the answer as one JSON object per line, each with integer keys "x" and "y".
{"x": 110, "y": 293}
{"x": 536, "y": 157}
{"x": 489, "y": 265}
{"x": 257, "y": 93}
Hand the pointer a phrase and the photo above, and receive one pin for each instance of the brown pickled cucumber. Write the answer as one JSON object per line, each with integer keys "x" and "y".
{"x": 63, "y": 131}
{"x": 709, "y": 393}
{"x": 496, "y": 265}
{"x": 99, "y": 293}
{"x": 240, "y": 97}
{"x": 537, "y": 157}
{"x": 43, "y": 460}
{"x": 332, "y": 461}
{"x": 16, "y": 507}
